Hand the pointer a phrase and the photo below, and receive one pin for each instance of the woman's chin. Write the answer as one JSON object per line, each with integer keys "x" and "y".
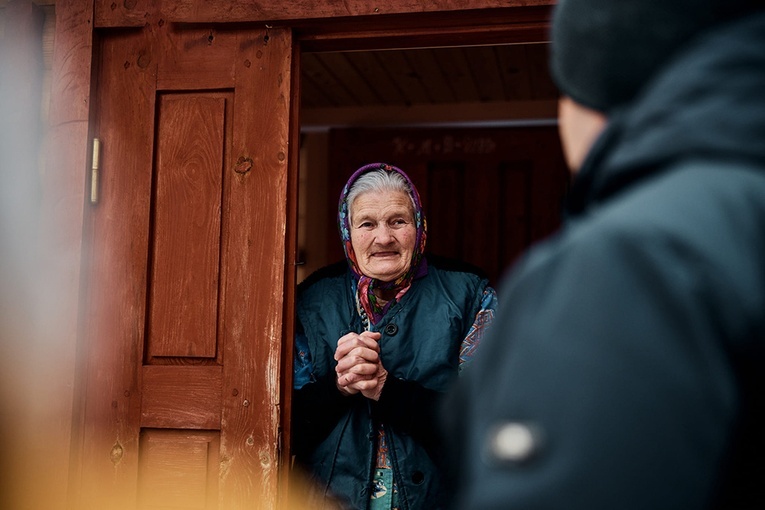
{"x": 386, "y": 275}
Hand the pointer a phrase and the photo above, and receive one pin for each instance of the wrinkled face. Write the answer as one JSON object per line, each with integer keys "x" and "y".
{"x": 383, "y": 234}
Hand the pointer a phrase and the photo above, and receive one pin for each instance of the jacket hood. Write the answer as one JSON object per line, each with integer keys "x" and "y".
{"x": 708, "y": 103}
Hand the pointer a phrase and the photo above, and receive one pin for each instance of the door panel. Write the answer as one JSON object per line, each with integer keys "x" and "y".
{"x": 186, "y": 275}
{"x": 183, "y": 397}
{"x": 178, "y": 469}
{"x": 187, "y": 226}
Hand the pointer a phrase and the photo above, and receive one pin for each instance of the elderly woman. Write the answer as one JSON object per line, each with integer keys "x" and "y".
{"x": 380, "y": 339}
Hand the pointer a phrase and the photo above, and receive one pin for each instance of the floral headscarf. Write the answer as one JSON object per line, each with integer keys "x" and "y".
{"x": 366, "y": 284}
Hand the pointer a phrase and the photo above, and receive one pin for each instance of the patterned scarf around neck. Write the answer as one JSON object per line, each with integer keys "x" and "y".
{"x": 366, "y": 284}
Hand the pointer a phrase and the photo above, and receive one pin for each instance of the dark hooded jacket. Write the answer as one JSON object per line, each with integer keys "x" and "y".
{"x": 630, "y": 348}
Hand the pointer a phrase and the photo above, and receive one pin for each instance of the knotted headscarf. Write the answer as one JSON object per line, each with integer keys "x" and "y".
{"x": 417, "y": 266}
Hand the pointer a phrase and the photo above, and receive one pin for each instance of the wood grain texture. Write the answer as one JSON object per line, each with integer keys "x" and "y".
{"x": 411, "y": 85}
{"x": 183, "y": 397}
{"x": 118, "y": 234}
{"x": 211, "y": 240}
{"x": 457, "y": 74}
{"x": 431, "y": 75}
{"x": 254, "y": 246}
{"x": 514, "y": 71}
{"x": 369, "y": 65}
{"x": 186, "y": 235}
{"x": 426, "y": 85}
{"x": 490, "y": 25}
{"x": 179, "y": 469}
{"x": 125, "y": 13}
{"x": 285, "y": 488}
{"x": 197, "y": 57}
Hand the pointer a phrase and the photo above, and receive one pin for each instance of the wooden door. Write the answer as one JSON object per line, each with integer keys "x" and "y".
{"x": 488, "y": 193}
{"x": 186, "y": 269}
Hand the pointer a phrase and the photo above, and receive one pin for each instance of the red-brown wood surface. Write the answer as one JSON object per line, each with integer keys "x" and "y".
{"x": 179, "y": 470}
{"x": 117, "y": 272}
{"x": 181, "y": 397}
{"x": 186, "y": 276}
{"x": 450, "y": 28}
{"x": 186, "y": 235}
{"x": 254, "y": 246}
{"x": 200, "y": 59}
{"x": 285, "y": 488}
{"x": 134, "y": 12}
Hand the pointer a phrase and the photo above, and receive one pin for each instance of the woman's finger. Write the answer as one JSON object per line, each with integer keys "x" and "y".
{"x": 359, "y": 342}
{"x": 364, "y": 356}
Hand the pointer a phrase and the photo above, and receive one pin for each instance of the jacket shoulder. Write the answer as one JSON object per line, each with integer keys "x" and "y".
{"x": 335, "y": 271}
{"x": 451, "y": 265}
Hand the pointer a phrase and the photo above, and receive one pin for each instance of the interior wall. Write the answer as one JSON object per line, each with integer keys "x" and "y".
{"x": 487, "y": 197}
{"x": 314, "y": 235}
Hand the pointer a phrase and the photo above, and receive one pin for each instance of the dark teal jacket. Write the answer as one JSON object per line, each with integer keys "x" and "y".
{"x": 334, "y": 435}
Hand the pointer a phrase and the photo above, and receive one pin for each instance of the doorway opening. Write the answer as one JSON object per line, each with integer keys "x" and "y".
{"x": 474, "y": 127}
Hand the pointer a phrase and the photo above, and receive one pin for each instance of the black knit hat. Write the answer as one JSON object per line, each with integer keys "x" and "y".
{"x": 605, "y": 51}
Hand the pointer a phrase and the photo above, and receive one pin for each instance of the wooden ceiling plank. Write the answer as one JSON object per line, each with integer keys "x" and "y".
{"x": 542, "y": 85}
{"x": 407, "y": 79}
{"x": 425, "y": 36}
{"x": 191, "y": 11}
{"x": 369, "y": 66}
{"x": 315, "y": 69}
{"x": 311, "y": 95}
{"x": 513, "y": 69}
{"x": 351, "y": 78}
{"x": 431, "y": 75}
{"x": 341, "y": 88}
{"x": 458, "y": 74}
{"x": 483, "y": 64}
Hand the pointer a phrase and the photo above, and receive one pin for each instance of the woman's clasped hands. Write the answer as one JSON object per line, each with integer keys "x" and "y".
{"x": 359, "y": 368}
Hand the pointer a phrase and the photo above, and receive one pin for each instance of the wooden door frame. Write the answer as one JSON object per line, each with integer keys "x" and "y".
{"x": 319, "y": 27}
{"x": 401, "y": 31}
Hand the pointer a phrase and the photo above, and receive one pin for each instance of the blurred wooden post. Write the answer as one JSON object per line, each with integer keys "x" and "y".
{"x": 27, "y": 439}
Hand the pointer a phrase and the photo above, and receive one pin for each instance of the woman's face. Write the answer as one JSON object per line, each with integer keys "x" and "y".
{"x": 383, "y": 233}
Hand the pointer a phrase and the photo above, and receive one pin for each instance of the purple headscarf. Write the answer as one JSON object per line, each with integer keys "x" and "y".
{"x": 417, "y": 267}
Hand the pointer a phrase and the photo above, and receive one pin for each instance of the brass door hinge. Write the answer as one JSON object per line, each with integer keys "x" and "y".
{"x": 94, "y": 171}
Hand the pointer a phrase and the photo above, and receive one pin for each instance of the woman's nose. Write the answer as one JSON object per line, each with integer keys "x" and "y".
{"x": 384, "y": 234}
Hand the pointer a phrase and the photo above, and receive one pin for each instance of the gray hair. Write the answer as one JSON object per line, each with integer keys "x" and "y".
{"x": 378, "y": 181}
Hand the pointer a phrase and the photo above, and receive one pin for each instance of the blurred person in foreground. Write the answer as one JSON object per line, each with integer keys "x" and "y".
{"x": 380, "y": 339}
{"x": 626, "y": 366}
